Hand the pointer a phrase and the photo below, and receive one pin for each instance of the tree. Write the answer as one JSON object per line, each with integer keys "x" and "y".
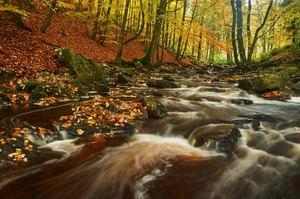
{"x": 49, "y": 16}
{"x": 104, "y": 27}
{"x": 160, "y": 12}
{"x": 293, "y": 18}
{"x": 240, "y": 57}
{"x": 96, "y": 22}
{"x": 178, "y": 53}
{"x": 118, "y": 58}
{"x": 16, "y": 10}
{"x": 141, "y": 28}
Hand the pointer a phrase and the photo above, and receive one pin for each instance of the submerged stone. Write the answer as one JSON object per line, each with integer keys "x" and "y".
{"x": 220, "y": 137}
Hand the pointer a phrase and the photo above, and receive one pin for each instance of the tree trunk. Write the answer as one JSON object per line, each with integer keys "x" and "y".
{"x": 249, "y": 25}
{"x": 240, "y": 38}
{"x": 18, "y": 16}
{"x": 96, "y": 22}
{"x": 118, "y": 58}
{"x": 148, "y": 58}
{"x": 258, "y": 30}
{"x": 188, "y": 33}
{"x": 104, "y": 28}
{"x": 233, "y": 34}
{"x": 141, "y": 26}
{"x": 49, "y": 17}
{"x": 178, "y": 53}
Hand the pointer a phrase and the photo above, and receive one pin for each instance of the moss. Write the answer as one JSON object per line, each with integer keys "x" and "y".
{"x": 30, "y": 86}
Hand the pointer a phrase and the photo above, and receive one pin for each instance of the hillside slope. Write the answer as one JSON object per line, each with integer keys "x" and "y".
{"x": 29, "y": 51}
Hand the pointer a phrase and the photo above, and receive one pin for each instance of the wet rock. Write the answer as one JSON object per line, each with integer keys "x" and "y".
{"x": 241, "y": 101}
{"x": 247, "y": 123}
{"x": 266, "y": 83}
{"x": 4, "y": 99}
{"x": 30, "y": 86}
{"x": 101, "y": 88}
{"x": 6, "y": 75}
{"x": 165, "y": 70}
{"x": 295, "y": 80}
{"x": 162, "y": 84}
{"x": 263, "y": 118}
{"x": 296, "y": 88}
{"x": 277, "y": 95}
{"x": 220, "y": 137}
{"x": 201, "y": 71}
{"x": 168, "y": 78}
{"x": 105, "y": 129}
{"x": 138, "y": 65}
{"x": 289, "y": 70}
{"x": 154, "y": 107}
{"x": 87, "y": 71}
{"x": 293, "y": 137}
{"x": 122, "y": 79}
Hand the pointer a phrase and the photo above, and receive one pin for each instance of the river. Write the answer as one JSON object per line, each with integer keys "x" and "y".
{"x": 161, "y": 162}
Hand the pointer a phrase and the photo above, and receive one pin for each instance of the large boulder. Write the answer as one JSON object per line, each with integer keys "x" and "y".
{"x": 220, "y": 137}
{"x": 87, "y": 71}
{"x": 266, "y": 83}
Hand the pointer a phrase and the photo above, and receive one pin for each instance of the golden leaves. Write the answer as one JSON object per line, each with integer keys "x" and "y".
{"x": 273, "y": 94}
{"x": 100, "y": 112}
{"x": 18, "y": 155}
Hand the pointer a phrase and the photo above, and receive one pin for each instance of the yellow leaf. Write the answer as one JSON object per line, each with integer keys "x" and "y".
{"x": 80, "y": 131}
{"x": 112, "y": 132}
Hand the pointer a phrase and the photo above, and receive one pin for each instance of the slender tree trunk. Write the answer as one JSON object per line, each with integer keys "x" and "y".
{"x": 118, "y": 58}
{"x": 188, "y": 33}
{"x": 96, "y": 22}
{"x": 233, "y": 33}
{"x": 178, "y": 53}
{"x": 49, "y": 16}
{"x": 141, "y": 29}
{"x": 240, "y": 38}
{"x": 148, "y": 58}
{"x": 148, "y": 27}
{"x": 255, "y": 38}
{"x": 174, "y": 29}
{"x": 249, "y": 25}
{"x": 78, "y": 5}
{"x": 104, "y": 27}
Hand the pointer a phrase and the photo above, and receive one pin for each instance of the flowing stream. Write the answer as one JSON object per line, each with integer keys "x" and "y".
{"x": 161, "y": 162}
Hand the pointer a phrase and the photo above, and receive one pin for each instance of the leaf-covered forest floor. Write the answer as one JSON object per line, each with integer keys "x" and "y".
{"x": 25, "y": 53}
{"x": 28, "y": 51}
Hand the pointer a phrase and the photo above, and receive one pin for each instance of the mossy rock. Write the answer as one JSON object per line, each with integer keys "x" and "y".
{"x": 37, "y": 96}
{"x": 86, "y": 70}
{"x": 6, "y": 75}
{"x": 30, "y": 86}
{"x": 101, "y": 88}
{"x": 155, "y": 108}
{"x": 4, "y": 99}
{"x": 266, "y": 83}
{"x": 290, "y": 71}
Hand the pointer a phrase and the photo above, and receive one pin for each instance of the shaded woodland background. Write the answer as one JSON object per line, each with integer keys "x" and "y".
{"x": 204, "y": 31}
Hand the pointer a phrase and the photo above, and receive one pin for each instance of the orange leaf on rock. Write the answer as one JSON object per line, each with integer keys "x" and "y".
{"x": 80, "y": 131}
